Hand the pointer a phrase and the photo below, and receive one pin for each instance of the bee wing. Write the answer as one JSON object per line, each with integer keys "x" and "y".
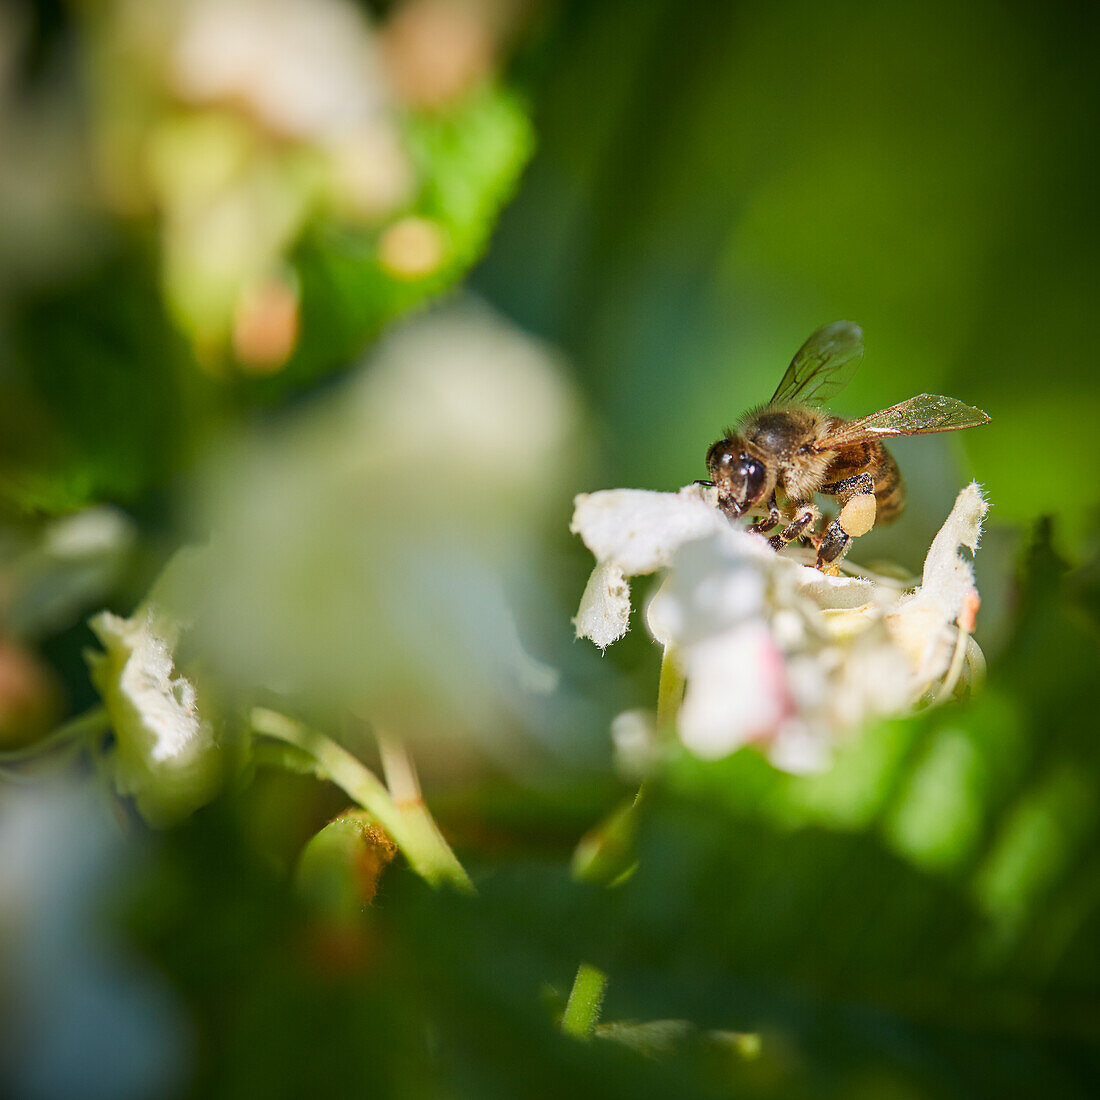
{"x": 823, "y": 366}
{"x": 921, "y": 415}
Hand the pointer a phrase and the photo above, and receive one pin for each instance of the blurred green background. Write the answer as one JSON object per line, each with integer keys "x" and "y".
{"x": 710, "y": 187}
{"x": 658, "y": 202}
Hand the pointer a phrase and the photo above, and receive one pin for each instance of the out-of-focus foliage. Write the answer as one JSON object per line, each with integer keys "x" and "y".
{"x": 279, "y": 182}
{"x": 921, "y": 921}
{"x": 224, "y": 231}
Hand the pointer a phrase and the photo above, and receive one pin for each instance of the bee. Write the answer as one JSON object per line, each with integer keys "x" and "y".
{"x": 791, "y": 445}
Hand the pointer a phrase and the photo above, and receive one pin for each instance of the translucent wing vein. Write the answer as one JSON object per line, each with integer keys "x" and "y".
{"x": 920, "y": 415}
{"x": 823, "y": 366}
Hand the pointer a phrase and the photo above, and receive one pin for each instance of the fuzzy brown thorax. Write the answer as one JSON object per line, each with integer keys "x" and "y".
{"x": 784, "y": 438}
{"x": 773, "y": 447}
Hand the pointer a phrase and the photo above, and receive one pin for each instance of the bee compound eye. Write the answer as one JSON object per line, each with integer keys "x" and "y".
{"x": 721, "y": 457}
{"x": 753, "y": 474}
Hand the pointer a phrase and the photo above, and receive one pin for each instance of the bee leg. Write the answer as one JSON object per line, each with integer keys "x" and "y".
{"x": 803, "y": 518}
{"x": 858, "y": 483}
{"x": 766, "y": 523}
{"x": 856, "y": 518}
{"x": 832, "y": 547}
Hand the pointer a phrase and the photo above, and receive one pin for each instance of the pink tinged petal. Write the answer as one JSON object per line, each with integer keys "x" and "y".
{"x": 968, "y": 615}
{"x": 736, "y": 691}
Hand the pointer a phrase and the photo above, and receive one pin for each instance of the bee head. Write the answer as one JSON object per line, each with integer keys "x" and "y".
{"x": 741, "y": 479}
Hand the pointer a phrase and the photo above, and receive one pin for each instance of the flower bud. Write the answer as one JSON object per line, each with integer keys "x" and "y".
{"x": 340, "y": 867}
{"x": 165, "y": 752}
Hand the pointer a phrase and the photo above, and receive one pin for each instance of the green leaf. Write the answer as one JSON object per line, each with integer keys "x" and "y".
{"x": 469, "y": 160}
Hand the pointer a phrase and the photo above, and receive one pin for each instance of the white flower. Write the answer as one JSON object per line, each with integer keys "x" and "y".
{"x": 921, "y": 623}
{"x": 771, "y": 650}
{"x": 306, "y": 68}
{"x": 631, "y": 532}
{"x": 165, "y": 753}
{"x": 398, "y": 521}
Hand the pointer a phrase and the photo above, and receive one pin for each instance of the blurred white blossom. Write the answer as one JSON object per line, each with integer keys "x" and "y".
{"x": 165, "y": 753}
{"x": 306, "y": 68}
{"x": 772, "y": 650}
{"x": 234, "y": 122}
{"x": 384, "y": 552}
{"x": 53, "y": 570}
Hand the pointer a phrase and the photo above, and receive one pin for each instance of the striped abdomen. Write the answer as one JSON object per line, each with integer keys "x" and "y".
{"x": 873, "y": 458}
{"x": 889, "y": 487}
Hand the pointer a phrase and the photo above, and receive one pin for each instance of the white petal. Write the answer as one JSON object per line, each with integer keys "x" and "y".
{"x": 604, "y": 613}
{"x": 948, "y": 576}
{"x": 305, "y": 67}
{"x": 809, "y": 677}
{"x": 637, "y": 750}
{"x": 790, "y": 629}
{"x": 919, "y": 631}
{"x": 801, "y": 747}
{"x": 922, "y": 623}
{"x": 163, "y": 706}
{"x": 715, "y": 583}
{"x": 844, "y": 593}
{"x": 640, "y": 530}
{"x": 875, "y": 680}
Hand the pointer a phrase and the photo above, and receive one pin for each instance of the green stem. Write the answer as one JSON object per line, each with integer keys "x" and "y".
{"x": 582, "y": 1011}
{"x": 415, "y": 834}
{"x": 404, "y": 789}
{"x": 83, "y": 726}
{"x": 606, "y": 853}
{"x": 670, "y": 693}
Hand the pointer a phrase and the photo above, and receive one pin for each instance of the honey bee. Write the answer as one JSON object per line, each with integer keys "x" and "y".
{"x": 793, "y": 446}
